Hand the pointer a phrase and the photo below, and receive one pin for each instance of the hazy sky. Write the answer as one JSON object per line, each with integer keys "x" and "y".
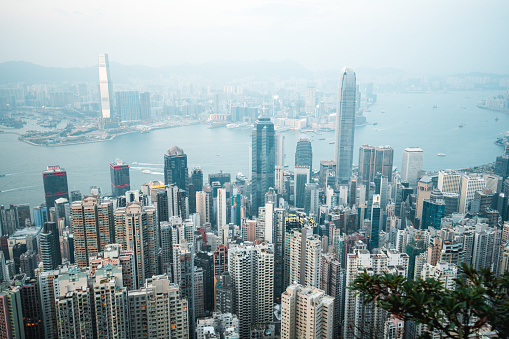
{"x": 429, "y": 37}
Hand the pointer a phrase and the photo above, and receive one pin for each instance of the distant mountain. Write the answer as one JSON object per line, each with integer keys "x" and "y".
{"x": 21, "y": 71}
{"x": 481, "y": 74}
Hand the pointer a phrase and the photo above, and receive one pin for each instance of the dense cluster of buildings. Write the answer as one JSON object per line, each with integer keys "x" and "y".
{"x": 268, "y": 255}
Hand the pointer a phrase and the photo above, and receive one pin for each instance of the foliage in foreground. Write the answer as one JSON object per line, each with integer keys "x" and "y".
{"x": 479, "y": 300}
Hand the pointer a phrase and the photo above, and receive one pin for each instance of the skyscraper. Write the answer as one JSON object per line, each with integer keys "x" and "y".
{"x": 183, "y": 276}
{"x": 157, "y": 310}
{"x": 221, "y": 216}
{"x": 105, "y": 87}
{"x": 345, "y": 126}
{"x": 374, "y": 160}
{"x": 145, "y": 106}
{"x": 92, "y": 226}
{"x": 128, "y": 106}
{"x": 175, "y": 168}
{"x": 263, "y": 161}
{"x": 136, "y": 231}
{"x": 304, "y": 153}
{"x": 120, "y": 182}
{"x": 55, "y": 185}
{"x": 50, "y": 247}
{"x": 306, "y": 312}
{"x": 252, "y": 273}
{"x": 280, "y": 163}
{"x": 412, "y": 162}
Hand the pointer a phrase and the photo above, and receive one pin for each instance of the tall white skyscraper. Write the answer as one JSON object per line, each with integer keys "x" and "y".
{"x": 345, "y": 126}
{"x": 221, "y": 216}
{"x": 105, "y": 87}
{"x": 412, "y": 163}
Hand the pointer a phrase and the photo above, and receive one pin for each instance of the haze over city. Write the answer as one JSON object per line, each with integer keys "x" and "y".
{"x": 423, "y": 37}
{"x": 254, "y": 169}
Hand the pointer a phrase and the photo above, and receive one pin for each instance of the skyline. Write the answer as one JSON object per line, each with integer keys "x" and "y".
{"x": 428, "y": 38}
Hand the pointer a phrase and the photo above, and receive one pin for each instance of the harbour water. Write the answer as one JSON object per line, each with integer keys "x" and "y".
{"x": 407, "y": 120}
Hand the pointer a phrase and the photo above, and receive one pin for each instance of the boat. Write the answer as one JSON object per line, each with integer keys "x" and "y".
{"x": 135, "y": 163}
{"x": 332, "y": 142}
{"x": 321, "y": 139}
{"x": 383, "y": 111}
{"x": 435, "y": 106}
{"x": 461, "y": 125}
{"x": 375, "y": 123}
{"x": 441, "y": 154}
{"x": 496, "y": 119}
{"x": 146, "y": 171}
{"x": 218, "y": 155}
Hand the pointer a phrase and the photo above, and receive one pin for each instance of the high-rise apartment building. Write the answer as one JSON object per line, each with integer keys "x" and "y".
{"x": 92, "y": 226}
{"x": 370, "y": 318}
{"x": 345, "y": 126}
{"x": 202, "y": 206}
{"x": 332, "y": 283}
{"x": 120, "y": 182}
{"x": 175, "y": 168}
{"x": 55, "y": 185}
{"x": 11, "y": 314}
{"x": 412, "y": 163}
{"x": 306, "y": 312}
{"x": 109, "y": 310}
{"x": 252, "y": 273}
{"x": 128, "y": 106}
{"x": 183, "y": 276}
{"x": 105, "y": 87}
{"x": 49, "y": 291}
{"x": 74, "y": 305}
{"x": 304, "y": 257}
{"x": 263, "y": 161}
{"x": 157, "y": 310}
{"x": 136, "y": 231}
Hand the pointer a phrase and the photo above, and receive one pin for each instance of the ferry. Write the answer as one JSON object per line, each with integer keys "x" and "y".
{"x": 441, "y": 154}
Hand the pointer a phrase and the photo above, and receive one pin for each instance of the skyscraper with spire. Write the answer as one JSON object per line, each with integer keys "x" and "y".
{"x": 345, "y": 126}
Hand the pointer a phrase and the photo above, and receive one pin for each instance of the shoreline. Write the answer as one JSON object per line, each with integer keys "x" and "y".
{"x": 111, "y": 137}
